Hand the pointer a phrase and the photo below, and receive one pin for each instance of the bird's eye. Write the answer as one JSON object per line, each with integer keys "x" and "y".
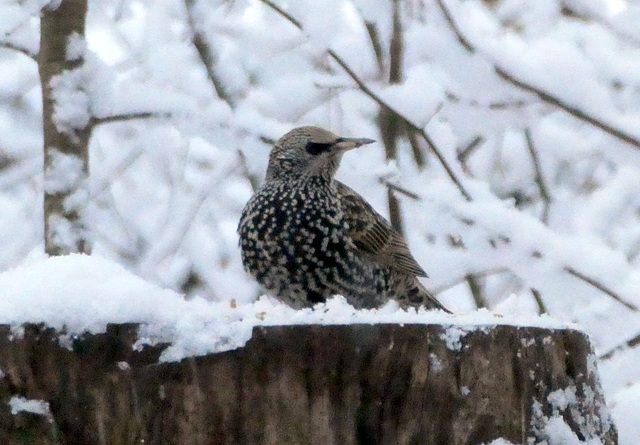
{"x": 315, "y": 148}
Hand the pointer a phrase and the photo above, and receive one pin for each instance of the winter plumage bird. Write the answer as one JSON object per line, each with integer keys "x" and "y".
{"x": 305, "y": 236}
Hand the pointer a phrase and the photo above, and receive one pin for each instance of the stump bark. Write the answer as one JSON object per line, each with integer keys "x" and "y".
{"x": 356, "y": 384}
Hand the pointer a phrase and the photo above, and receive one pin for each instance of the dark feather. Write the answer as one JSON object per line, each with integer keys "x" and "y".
{"x": 374, "y": 236}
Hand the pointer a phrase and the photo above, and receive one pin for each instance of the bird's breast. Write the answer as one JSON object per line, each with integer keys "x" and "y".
{"x": 295, "y": 228}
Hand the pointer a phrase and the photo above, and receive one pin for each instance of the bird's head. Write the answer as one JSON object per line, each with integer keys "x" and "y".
{"x": 308, "y": 152}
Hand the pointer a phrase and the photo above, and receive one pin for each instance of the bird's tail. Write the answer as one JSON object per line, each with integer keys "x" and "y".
{"x": 416, "y": 295}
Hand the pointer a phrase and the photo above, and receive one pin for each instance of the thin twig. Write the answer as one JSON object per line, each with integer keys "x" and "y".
{"x": 601, "y": 287}
{"x": 536, "y": 296}
{"x": 397, "y": 188}
{"x": 416, "y": 150}
{"x": 366, "y": 90}
{"x": 20, "y": 49}
{"x": 374, "y": 38}
{"x": 395, "y": 215}
{"x": 467, "y": 151}
{"x": 632, "y": 343}
{"x": 476, "y": 290}
{"x": 452, "y": 24}
{"x": 126, "y": 117}
{"x": 396, "y": 46}
{"x": 253, "y": 180}
{"x": 539, "y": 179}
{"x": 206, "y": 55}
{"x": 283, "y": 13}
{"x": 504, "y": 105}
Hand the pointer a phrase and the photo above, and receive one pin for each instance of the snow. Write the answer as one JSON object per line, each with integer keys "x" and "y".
{"x": 452, "y": 337}
{"x": 562, "y": 398}
{"x": 435, "y": 363}
{"x": 76, "y": 47}
{"x": 84, "y": 293}
{"x": 624, "y": 403}
{"x": 64, "y": 233}
{"x": 500, "y": 442}
{"x": 71, "y": 101}
{"x": 557, "y": 432}
{"x": 64, "y": 173}
{"x": 553, "y": 430}
{"x": 20, "y": 404}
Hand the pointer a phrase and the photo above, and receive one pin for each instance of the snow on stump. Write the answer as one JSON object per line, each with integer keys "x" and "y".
{"x": 306, "y": 384}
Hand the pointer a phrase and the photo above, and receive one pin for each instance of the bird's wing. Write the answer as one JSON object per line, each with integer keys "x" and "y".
{"x": 374, "y": 236}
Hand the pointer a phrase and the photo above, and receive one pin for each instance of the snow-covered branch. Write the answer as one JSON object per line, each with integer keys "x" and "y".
{"x": 543, "y": 95}
{"x": 369, "y": 92}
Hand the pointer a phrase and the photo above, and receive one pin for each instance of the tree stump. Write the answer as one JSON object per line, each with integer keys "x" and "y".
{"x": 311, "y": 384}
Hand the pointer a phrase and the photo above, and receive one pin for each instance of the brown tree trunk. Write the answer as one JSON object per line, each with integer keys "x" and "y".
{"x": 358, "y": 384}
{"x": 66, "y": 127}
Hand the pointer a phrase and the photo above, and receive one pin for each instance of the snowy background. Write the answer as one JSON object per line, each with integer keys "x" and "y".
{"x": 534, "y": 108}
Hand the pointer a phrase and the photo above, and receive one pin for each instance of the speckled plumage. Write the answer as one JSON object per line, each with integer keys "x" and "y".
{"x": 305, "y": 236}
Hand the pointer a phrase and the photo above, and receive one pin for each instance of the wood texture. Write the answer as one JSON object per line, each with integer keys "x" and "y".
{"x": 358, "y": 384}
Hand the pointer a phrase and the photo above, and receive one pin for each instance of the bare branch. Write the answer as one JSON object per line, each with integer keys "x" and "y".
{"x": 374, "y": 37}
{"x": 283, "y": 13}
{"x": 395, "y": 215}
{"x": 95, "y": 121}
{"x": 464, "y": 154}
{"x": 20, "y": 49}
{"x": 207, "y": 56}
{"x": 516, "y": 104}
{"x": 536, "y": 296}
{"x": 601, "y": 287}
{"x": 414, "y": 142}
{"x": 632, "y": 343}
{"x": 539, "y": 179}
{"x": 391, "y": 126}
{"x": 452, "y": 24}
{"x": 476, "y": 290}
{"x": 267, "y": 140}
{"x": 254, "y": 181}
{"x": 397, "y": 188}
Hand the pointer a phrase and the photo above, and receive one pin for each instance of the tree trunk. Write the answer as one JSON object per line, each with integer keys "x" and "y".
{"x": 66, "y": 123}
{"x": 357, "y": 384}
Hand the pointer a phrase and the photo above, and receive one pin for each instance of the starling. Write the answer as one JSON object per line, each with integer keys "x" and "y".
{"x": 305, "y": 236}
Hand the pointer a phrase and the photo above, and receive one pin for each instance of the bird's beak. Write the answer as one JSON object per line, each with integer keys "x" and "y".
{"x": 345, "y": 144}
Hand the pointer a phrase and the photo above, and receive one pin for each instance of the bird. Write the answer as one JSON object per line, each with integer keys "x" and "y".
{"x": 305, "y": 236}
